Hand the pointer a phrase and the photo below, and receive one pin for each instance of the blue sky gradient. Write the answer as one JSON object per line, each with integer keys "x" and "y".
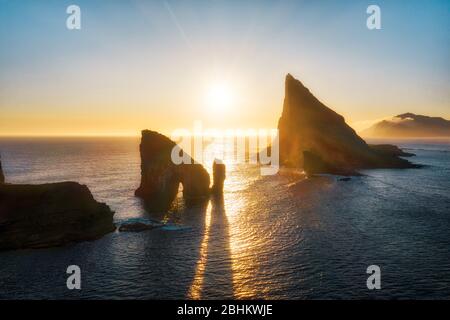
{"x": 136, "y": 64}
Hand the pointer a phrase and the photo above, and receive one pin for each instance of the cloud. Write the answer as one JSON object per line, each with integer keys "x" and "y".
{"x": 399, "y": 120}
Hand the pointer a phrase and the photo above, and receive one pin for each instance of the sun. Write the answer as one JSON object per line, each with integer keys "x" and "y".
{"x": 219, "y": 98}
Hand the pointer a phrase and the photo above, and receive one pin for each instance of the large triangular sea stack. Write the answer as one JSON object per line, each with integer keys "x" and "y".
{"x": 314, "y": 137}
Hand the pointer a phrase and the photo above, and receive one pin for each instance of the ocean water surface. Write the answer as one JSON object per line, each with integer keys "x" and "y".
{"x": 270, "y": 237}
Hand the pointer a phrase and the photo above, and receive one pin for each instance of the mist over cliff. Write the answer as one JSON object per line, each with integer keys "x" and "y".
{"x": 409, "y": 125}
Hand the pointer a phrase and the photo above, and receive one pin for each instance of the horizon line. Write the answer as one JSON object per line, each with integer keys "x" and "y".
{"x": 69, "y": 136}
{"x": 93, "y": 136}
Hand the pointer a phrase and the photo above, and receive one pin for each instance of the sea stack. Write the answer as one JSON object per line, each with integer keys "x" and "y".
{"x": 219, "y": 175}
{"x": 2, "y": 176}
{"x": 308, "y": 127}
{"x": 160, "y": 176}
{"x": 159, "y": 179}
{"x": 46, "y": 215}
{"x": 195, "y": 180}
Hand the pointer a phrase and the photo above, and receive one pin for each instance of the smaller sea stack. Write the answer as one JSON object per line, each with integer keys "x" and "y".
{"x": 2, "y": 176}
{"x": 219, "y": 175}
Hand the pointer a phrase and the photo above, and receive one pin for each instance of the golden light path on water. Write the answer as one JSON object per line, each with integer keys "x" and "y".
{"x": 237, "y": 247}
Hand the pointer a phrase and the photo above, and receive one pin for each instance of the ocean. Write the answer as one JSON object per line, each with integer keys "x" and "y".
{"x": 270, "y": 237}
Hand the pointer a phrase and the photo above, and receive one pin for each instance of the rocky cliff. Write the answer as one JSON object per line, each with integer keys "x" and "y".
{"x": 307, "y": 125}
{"x": 36, "y": 216}
{"x": 160, "y": 177}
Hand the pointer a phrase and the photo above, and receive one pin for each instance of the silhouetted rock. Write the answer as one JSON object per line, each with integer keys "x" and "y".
{"x": 2, "y": 176}
{"x": 135, "y": 227}
{"x": 308, "y": 125}
{"x": 36, "y": 216}
{"x": 219, "y": 174}
{"x": 314, "y": 164}
{"x": 160, "y": 177}
{"x": 390, "y": 150}
{"x": 195, "y": 180}
{"x": 409, "y": 125}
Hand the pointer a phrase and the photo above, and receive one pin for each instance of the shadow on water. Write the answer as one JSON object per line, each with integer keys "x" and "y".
{"x": 196, "y": 258}
{"x": 213, "y": 275}
{"x": 181, "y": 247}
{"x": 220, "y": 261}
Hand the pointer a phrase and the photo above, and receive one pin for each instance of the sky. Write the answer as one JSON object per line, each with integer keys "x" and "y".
{"x": 163, "y": 65}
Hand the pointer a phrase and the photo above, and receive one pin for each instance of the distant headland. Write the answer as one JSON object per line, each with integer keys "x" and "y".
{"x": 409, "y": 125}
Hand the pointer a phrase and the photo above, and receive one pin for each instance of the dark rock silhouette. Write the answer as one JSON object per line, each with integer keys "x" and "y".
{"x": 390, "y": 150}
{"x": 314, "y": 164}
{"x": 37, "y": 216}
{"x": 135, "y": 227}
{"x": 2, "y": 176}
{"x": 408, "y": 125}
{"x": 195, "y": 180}
{"x": 160, "y": 177}
{"x": 219, "y": 174}
{"x": 308, "y": 125}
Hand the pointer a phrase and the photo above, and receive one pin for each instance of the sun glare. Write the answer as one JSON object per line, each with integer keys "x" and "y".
{"x": 219, "y": 98}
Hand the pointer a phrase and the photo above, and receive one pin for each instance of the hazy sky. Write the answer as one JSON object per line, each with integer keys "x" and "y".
{"x": 152, "y": 64}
